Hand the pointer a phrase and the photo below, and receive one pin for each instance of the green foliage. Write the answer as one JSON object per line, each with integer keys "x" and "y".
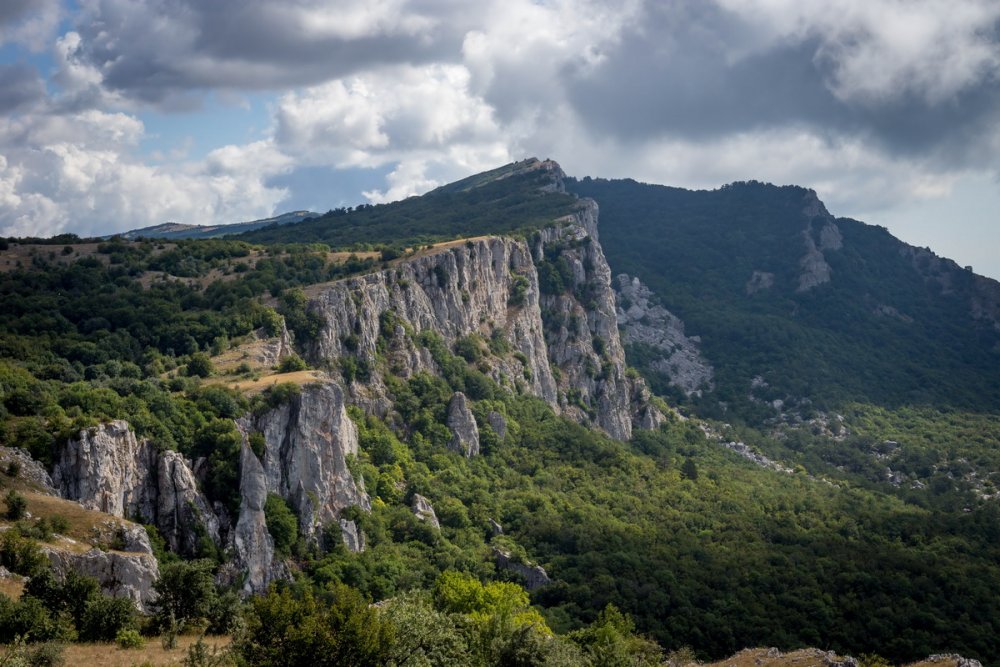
{"x": 291, "y": 364}
{"x": 334, "y": 627}
{"x": 697, "y": 250}
{"x": 104, "y": 617}
{"x": 20, "y": 554}
{"x": 220, "y": 442}
{"x": 514, "y": 204}
{"x": 129, "y": 638}
{"x": 17, "y": 505}
{"x": 281, "y": 524}
{"x": 185, "y": 591}
{"x": 200, "y": 365}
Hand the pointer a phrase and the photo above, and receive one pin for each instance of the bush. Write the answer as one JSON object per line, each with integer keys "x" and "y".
{"x": 17, "y": 506}
{"x": 292, "y": 364}
{"x": 200, "y": 365}
{"x": 281, "y": 523}
{"x": 128, "y": 638}
{"x": 105, "y": 617}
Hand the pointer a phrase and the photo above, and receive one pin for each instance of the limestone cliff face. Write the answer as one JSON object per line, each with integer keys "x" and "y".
{"x": 645, "y": 322}
{"x": 127, "y": 573}
{"x": 106, "y": 468}
{"x": 462, "y": 289}
{"x": 306, "y": 445}
{"x": 490, "y": 287}
{"x": 253, "y": 545}
{"x": 581, "y": 331}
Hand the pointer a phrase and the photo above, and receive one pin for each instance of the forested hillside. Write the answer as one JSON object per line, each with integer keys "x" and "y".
{"x": 893, "y": 325}
{"x": 548, "y": 542}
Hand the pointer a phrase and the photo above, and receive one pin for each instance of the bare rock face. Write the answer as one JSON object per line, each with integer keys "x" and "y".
{"x": 307, "y": 442}
{"x": 30, "y": 469}
{"x": 123, "y": 574}
{"x": 424, "y": 511}
{"x": 465, "y": 432}
{"x": 273, "y": 350}
{"x": 181, "y": 506}
{"x": 252, "y": 543}
{"x": 581, "y": 328}
{"x": 534, "y": 576}
{"x": 814, "y": 270}
{"x": 646, "y": 322}
{"x": 107, "y": 469}
{"x": 464, "y": 289}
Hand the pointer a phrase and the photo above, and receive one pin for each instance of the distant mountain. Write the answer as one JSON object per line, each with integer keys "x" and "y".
{"x": 795, "y": 307}
{"x": 176, "y": 230}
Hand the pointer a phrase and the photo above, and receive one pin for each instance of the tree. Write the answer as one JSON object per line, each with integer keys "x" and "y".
{"x": 200, "y": 365}
{"x": 17, "y": 506}
{"x": 185, "y": 592}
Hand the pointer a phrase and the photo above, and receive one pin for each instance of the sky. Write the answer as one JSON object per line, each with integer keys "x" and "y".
{"x": 118, "y": 114}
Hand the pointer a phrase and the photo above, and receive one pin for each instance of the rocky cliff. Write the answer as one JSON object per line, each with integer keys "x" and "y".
{"x": 490, "y": 287}
{"x": 581, "y": 329}
{"x": 106, "y": 468}
{"x": 307, "y": 442}
{"x": 661, "y": 334}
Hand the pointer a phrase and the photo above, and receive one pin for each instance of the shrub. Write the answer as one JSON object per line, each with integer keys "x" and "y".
{"x": 281, "y": 524}
{"x": 17, "y": 506}
{"x": 199, "y": 365}
{"x": 13, "y": 468}
{"x": 105, "y": 617}
{"x": 128, "y": 638}
{"x": 292, "y": 364}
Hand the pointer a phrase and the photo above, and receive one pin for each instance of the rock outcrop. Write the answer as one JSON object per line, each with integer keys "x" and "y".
{"x": 647, "y": 323}
{"x": 106, "y": 468}
{"x": 306, "y": 445}
{"x": 464, "y": 431}
{"x": 27, "y": 469}
{"x": 129, "y": 572}
{"x": 462, "y": 289}
{"x": 814, "y": 269}
{"x": 252, "y": 542}
{"x": 490, "y": 287}
{"x": 534, "y": 576}
{"x": 581, "y": 328}
{"x": 424, "y": 511}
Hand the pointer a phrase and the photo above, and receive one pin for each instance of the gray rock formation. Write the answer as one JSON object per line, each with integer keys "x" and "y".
{"x": 814, "y": 269}
{"x": 106, "y": 468}
{"x": 122, "y": 574}
{"x": 495, "y": 527}
{"x": 180, "y": 506}
{"x": 581, "y": 329}
{"x": 253, "y": 545}
{"x": 490, "y": 287}
{"x": 464, "y": 431}
{"x": 273, "y": 350}
{"x": 956, "y": 658}
{"x": 307, "y": 443}
{"x": 424, "y": 511}
{"x": 534, "y": 576}
{"x": 463, "y": 289}
{"x": 498, "y": 423}
{"x": 647, "y": 323}
{"x": 759, "y": 281}
{"x": 29, "y": 469}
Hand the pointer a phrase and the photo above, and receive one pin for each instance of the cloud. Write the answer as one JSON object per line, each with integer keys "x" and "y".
{"x": 20, "y": 86}
{"x": 30, "y": 23}
{"x": 178, "y": 47}
{"x": 78, "y": 172}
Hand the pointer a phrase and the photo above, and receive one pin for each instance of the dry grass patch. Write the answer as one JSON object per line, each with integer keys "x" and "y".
{"x": 12, "y": 586}
{"x": 109, "y": 655}
{"x": 256, "y": 386}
